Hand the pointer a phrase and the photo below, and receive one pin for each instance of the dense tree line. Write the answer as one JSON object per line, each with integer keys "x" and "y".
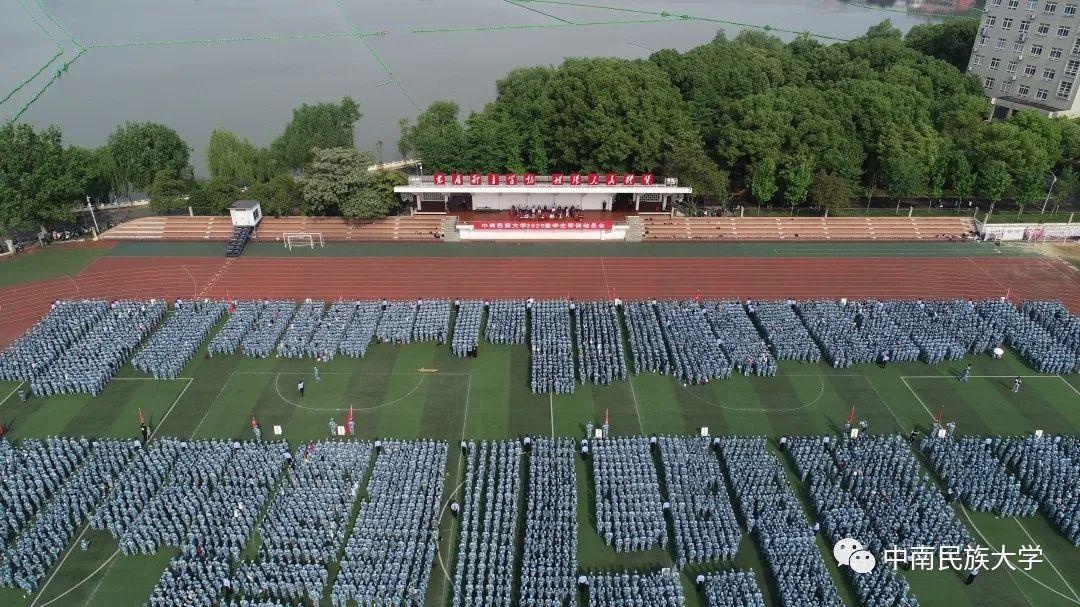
{"x": 41, "y": 179}
{"x": 783, "y": 123}
{"x": 796, "y": 123}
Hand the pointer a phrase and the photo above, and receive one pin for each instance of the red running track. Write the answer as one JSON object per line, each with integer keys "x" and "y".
{"x": 521, "y": 277}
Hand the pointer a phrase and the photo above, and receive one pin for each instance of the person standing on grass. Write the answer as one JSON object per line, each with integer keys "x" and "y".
{"x": 333, "y": 427}
{"x": 300, "y": 388}
{"x": 317, "y": 378}
{"x": 966, "y": 375}
{"x": 1016, "y": 384}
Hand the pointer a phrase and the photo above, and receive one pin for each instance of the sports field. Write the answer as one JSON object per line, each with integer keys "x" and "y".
{"x": 421, "y": 390}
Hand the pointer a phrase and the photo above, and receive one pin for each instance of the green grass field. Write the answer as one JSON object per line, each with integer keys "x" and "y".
{"x": 421, "y": 390}
{"x": 52, "y": 262}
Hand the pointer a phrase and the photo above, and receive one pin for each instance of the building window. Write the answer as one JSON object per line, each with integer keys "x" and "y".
{"x": 1048, "y": 74}
{"x": 1024, "y": 25}
{"x": 1063, "y": 32}
{"x": 1055, "y": 53}
{"x": 1029, "y": 70}
{"x": 976, "y": 60}
{"x": 1011, "y": 68}
{"x": 1036, "y": 50}
{"x": 1041, "y": 94}
{"x": 1070, "y": 10}
{"x": 1023, "y": 90}
{"x": 1000, "y": 44}
{"x": 1006, "y": 86}
{"x": 994, "y": 63}
{"x": 989, "y": 83}
{"x": 1076, "y": 47}
{"x": 1064, "y": 90}
{"x": 1044, "y": 29}
{"x": 982, "y": 40}
{"x": 1072, "y": 67}
{"x": 1031, "y": 4}
{"x": 995, "y": 2}
{"x": 1050, "y": 7}
{"x": 1018, "y": 47}
{"x": 1013, "y": 4}
{"x": 991, "y": 21}
{"x": 1006, "y": 24}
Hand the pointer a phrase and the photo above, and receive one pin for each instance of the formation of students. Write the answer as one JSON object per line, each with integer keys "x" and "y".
{"x": 205, "y": 497}
{"x": 551, "y": 368}
{"x": 170, "y": 348}
{"x": 80, "y": 345}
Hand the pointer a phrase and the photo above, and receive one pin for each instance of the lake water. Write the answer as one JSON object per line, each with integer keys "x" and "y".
{"x": 244, "y": 64}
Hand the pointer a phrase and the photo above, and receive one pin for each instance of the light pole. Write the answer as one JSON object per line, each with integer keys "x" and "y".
{"x": 90, "y": 206}
{"x": 1047, "y": 201}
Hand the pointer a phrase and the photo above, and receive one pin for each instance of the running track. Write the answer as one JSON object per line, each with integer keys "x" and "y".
{"x": 331, "y": 278}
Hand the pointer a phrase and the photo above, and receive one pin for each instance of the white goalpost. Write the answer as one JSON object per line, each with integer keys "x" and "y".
{"x": 302, "y": 239}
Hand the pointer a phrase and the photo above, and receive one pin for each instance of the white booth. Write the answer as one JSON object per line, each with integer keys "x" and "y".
{"x": 246, "y": 213}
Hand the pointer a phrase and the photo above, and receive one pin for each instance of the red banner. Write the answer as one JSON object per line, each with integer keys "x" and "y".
{"x": 553, "y": 224}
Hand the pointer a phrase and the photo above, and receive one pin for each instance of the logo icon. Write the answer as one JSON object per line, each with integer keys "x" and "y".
{"x": 852, "y": 553}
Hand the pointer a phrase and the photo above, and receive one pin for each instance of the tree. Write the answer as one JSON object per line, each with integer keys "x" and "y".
{"x": 136, "y": 151}
{"x": 437, "y": 139}
{"x": 830, "y": 192}
{"x": 333, "y": 176}
{"x": 961, "y": 175}
{"x": 994, "y": 180}
{"x": 492, "y": 144}
{"x": 337, "y": 182}
{"x": 37, "y": 183}
{"x": 951, "y": 41}
{"x": 1030, "y": 189}
{"x": 213, "y": 196}
{"x": 906, "y": 174}
{"x": 323, "y": 125}
{"x": 885, "y": 29}
{"x": 798, "y": 174}
{"x": 231, "y": 158}
{"x": 762, "y": 180}
{"x": 279, "y": 196}
{"x": 375, "y": 198}
{"x": 167, "y": 193}
{"x": 689, "y": 162}
{"x": 89, "y": 169}
{"x": 1067, "y": 185}
{"x": 595, "y": 115}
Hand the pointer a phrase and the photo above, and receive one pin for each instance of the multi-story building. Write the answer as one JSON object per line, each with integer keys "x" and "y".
{"x": 1027, "y": 55}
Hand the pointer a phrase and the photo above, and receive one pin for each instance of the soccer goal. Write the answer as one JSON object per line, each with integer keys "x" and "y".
{"x": 302, "y": 239}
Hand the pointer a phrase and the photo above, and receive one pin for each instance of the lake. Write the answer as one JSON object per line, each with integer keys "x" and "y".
{"x": 244, "y": 64}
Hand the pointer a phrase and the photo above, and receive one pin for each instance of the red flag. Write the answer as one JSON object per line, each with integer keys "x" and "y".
{"x": 940, "y": 416}
{"x": 697, "y": 297}
{"x": 232, "y": 307}
{"x": 606, "y": 418}
{"x": 349, "y": 420}
{"x": 254, "y": 422}
{"x": 142, "y": 420}
{"x": 851, "y": 416}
